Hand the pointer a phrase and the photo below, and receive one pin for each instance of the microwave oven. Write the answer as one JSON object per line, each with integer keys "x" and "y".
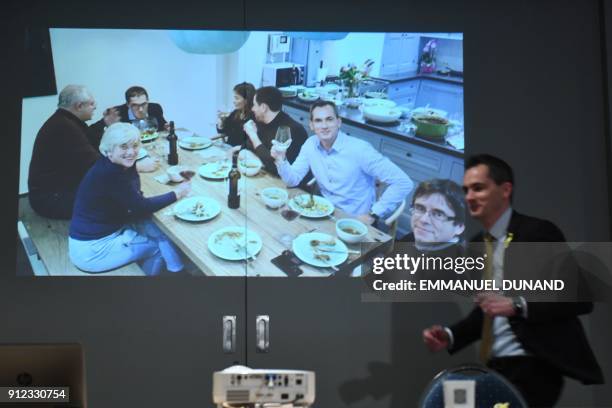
{"x": 281, "y": 74}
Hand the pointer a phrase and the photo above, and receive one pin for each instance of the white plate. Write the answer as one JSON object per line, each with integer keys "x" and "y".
{"x": 218, "y": 170}
{"x": 194, "y": 143}
{"x": 142, "y": 153}
{"x": 234, "y": 243}
{"x": 386, "y": 103}
{"x": 429, "y": 111}
{"x": 185, "y": 209}
{"x": 322, "y": 208}
{"x": 304, "y": 250}
{"x": 307, "y": 97}
{"x": 148, "y": 137}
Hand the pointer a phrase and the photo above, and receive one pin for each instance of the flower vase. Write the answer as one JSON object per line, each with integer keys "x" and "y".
{"x": 428, "y": 67}
{"x": 350, "y": 89}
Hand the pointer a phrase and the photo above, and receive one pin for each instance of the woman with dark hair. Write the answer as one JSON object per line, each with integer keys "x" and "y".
{"x": 232, "y": 125}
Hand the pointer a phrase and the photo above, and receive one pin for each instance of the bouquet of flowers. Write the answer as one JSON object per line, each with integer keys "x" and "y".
{"x": 351, "y": 76}
{"x": 428, "y": 57}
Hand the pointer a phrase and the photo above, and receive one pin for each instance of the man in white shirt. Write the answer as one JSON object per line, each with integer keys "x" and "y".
{"x": 346, "y": 168}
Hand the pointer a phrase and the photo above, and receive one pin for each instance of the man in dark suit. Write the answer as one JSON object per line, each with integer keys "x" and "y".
{"x": 136, "y": 107}
{"x": 533, "y": 344}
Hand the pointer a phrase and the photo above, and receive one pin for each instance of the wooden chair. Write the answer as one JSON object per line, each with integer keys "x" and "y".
{"x": 392, "y": 221}
{"x": 46, "y": 244}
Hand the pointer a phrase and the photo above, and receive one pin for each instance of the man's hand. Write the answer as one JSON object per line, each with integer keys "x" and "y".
{"x": 251, "y": 130}
{"x": 367, "y": 219}
{"x": 277, "y": 155}
{"x": 111, "y": 115}
{"x": 147, "y": 165}
{"x": 436, "y": 338}
{"x": 493, "y": 304}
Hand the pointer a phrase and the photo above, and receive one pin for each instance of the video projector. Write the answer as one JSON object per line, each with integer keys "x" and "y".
{"x": 239, "y": 386}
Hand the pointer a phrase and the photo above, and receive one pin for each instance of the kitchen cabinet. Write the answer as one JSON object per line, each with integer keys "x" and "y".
{"x": 372, "y": 138}
{"x": 400, "y": 53}
{"x": 298, "y": 115}
{"x": 441, "y": 95}
{"x": 405, "y": 92}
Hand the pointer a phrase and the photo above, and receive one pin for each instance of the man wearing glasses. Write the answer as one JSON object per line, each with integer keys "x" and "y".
{"x": 137, "y": 107}
{"x": 437, "y": 215}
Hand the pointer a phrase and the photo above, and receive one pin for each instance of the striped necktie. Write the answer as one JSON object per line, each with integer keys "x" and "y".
{"x": 486, "y": 340}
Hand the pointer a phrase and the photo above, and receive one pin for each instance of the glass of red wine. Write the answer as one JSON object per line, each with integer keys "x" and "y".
{"x": 187, "y": 174}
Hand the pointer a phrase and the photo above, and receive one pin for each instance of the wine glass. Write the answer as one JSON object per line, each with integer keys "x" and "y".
{"x": 282, "y": 141}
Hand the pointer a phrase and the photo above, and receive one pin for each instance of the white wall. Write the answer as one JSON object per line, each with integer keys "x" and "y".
{"x": 355, "y": 48}
{"x": 190, "y": 87}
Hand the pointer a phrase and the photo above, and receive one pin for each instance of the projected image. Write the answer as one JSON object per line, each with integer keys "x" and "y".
{"x": 235, "y": 153}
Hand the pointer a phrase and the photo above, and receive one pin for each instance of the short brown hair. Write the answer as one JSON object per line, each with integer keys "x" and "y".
{"x": 321, "y": 103}
{"x": 135, "y": 91}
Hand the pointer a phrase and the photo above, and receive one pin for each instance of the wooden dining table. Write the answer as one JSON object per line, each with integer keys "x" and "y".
{"x": 276, "y": 232}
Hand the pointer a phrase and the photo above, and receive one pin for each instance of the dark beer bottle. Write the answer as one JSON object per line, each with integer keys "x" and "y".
{"x": 173, "y": 155}
{"x": 233, "y": 198}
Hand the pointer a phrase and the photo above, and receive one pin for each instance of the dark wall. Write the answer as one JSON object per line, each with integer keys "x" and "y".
{"x": 534, "y": 94}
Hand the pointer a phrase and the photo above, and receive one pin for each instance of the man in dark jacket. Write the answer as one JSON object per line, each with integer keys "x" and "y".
{"x": 533, "y": 344}
{"x": 267, "y": 108}
{"x": 62, "y": 153}
{"x": 136, "y": 107}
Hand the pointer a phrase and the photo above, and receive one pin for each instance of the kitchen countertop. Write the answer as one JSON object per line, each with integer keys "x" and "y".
{"x": 407, "y": 76}
{"x": 354, "y": 117}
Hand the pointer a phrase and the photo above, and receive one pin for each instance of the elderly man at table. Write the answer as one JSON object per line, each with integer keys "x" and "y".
{"x": 136, "y": 107}
{"x": 346, "y": 168}
{"x": 111, "y": 225}
{"x": 267, "y": 105}
{"x": 62, "y": 153}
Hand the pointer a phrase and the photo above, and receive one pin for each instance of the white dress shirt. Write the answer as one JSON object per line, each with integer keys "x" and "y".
{"x": 347, "y": 174}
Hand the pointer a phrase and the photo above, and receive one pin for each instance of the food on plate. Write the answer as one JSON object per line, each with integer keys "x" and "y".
{"x": 350, "y": 230}
{"x": 322, "y": 257}
{"x": 316, "y": 242}
{"x": 233, "y": 235}
{"x": 251, "y": 164}
{"x": 198, "y": 209}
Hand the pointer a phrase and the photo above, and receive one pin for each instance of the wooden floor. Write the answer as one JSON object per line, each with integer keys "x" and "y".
{"x": 49, "y": 239}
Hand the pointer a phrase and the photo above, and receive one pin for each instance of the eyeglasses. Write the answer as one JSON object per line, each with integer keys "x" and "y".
{"x": 419, "y": 210}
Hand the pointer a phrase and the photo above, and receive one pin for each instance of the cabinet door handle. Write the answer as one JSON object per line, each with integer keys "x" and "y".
{"x": 262, "y": 327}
{"x": 229, "y": 334}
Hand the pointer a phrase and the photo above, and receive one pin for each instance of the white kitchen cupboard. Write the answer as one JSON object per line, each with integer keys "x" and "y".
{"x": 400, "y": 53}
{"x": 405, "y": 92}
{"x": 441, "y": 95}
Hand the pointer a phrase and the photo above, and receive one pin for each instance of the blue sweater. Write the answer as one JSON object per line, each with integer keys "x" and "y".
{"x": 109, "y": 197}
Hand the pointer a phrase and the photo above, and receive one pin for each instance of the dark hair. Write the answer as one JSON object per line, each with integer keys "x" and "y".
{"x": 271, "y": 96}
{"x": 135, "y": 91}
{"x": 450, "y": 190}
{"x": 321, "y": 103}
{"x": 499, "y": 171}
{"x": 247, "y": 91}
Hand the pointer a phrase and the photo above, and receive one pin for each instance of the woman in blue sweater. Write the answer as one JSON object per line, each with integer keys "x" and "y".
{"x": 111, "y": 222}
